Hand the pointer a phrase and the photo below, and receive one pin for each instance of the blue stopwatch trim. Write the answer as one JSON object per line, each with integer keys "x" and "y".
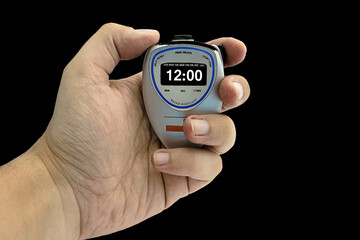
{"x": 203, "y": 96}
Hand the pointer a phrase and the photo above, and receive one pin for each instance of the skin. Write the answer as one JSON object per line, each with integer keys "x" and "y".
{"x": 94, "y": 170}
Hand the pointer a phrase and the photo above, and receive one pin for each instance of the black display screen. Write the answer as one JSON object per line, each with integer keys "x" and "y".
{"x": 184, "y": 74}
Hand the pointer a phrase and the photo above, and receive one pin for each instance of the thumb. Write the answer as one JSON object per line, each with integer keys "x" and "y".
{"x": 102, "y": 52}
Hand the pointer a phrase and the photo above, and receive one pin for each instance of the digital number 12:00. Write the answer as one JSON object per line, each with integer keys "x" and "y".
{"x": 190, "y": 75}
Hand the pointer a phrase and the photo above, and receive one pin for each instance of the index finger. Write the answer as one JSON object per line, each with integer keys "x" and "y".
{"x": 235, "y": 50}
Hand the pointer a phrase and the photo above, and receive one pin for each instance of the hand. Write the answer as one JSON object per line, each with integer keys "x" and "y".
{"x": 100, "y": 144}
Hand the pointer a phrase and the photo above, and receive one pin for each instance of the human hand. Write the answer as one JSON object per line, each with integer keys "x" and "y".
{"x": 101, "y": 145}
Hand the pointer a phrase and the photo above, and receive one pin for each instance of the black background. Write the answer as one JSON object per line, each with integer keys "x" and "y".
{"x": 259, "y": 191}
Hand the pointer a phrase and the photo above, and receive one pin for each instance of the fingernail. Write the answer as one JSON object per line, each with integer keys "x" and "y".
{"x": 199, "y": 127}
{"x": 161, "y": 158}
{"x": 146, "y": 30}
{"x": 239, "y": 89}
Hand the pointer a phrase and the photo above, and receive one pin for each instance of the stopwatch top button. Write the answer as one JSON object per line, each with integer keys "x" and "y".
{"x": 183, "y": 37}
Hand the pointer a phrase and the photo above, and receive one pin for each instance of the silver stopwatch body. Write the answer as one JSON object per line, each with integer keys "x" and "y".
{"x": 180, "y": 78}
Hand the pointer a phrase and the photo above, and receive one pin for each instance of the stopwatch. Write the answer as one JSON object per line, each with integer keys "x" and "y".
{"x": 181, "y": 78}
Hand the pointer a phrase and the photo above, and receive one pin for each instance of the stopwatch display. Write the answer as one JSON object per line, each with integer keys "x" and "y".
{"x": 183, "y": 74}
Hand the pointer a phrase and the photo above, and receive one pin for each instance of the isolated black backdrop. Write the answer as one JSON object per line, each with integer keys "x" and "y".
{"x": 251, "y": 196}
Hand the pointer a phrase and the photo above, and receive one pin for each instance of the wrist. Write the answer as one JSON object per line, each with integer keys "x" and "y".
{"x": 67, "y": 199}
{"x": 38, "y": 200}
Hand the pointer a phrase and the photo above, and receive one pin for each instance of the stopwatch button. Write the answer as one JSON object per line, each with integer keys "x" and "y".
{"x": 173, "y": 128}
{"x": 183, "y": 37}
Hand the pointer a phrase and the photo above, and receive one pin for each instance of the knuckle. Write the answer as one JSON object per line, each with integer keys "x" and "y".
{"x": 225, "y": 136}
{"x": 109, "y": 25}
{"x": 227, "y": 119}
{"x": 219, "y": 165}
{"x": 229, "y": 125}
{"x": 215, "y": 168}
{"x": 209, "y": 168}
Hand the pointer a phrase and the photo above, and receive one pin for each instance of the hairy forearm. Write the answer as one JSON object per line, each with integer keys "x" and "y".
{"x": 31, "y": 205}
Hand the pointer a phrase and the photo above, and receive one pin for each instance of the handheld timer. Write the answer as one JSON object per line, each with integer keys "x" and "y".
{"x": 181, "y": 78}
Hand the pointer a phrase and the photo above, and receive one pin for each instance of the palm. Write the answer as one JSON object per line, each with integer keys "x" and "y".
{"x": 104, "y": 132}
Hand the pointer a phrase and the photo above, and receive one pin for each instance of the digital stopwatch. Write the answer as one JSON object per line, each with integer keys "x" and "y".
{"x": 181, "y": 78}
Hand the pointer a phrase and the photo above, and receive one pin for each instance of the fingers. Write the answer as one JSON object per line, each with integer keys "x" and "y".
{"x": 102, "y": 52}
{"x": 234, "y": 91}
{"x": 216, "y": 131}
{"x": 198, "y": 164}
{"x": 235, "y": 50}
{"x": 185, "y": 170}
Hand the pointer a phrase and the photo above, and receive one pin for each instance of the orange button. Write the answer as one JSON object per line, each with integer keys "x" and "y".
{"x": 173, "y": 128}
